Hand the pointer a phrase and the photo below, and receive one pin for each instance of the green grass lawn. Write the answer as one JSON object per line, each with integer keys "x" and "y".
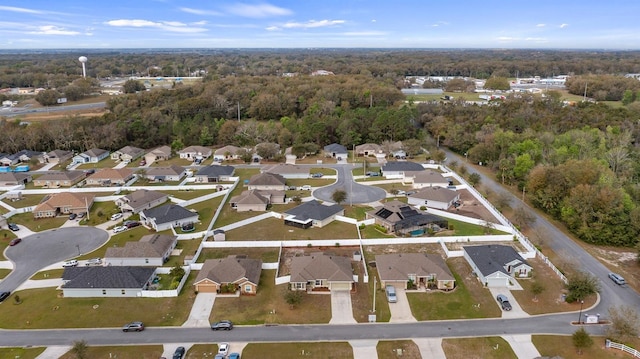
{"x": 188, "y": 247}
{"x": 275, "y": 229}
{"x": 5, "y": 237}
{"x": 486, "y": 347}
{"x": 21, "y": 353}
{"x": 259, "y": 309}
{"x": 362, "y": 300}
{"x": 397, "y": 186}
{"x": 122, "y": 352}
{"x": 189, "y": 194}
{"x": 468, "y": 229}
{"x": 268, "y": 255}
{"x": 106, "y": 163}
{"x": 38, "y": 225}
{"x": 206, "y": 210}
{"x": 100, "y": 212}
{"x": 118, "y": 240}
{"x": 371, "y": 232}
{"x": 357, "y": 212}
{"x": 387, "y": 349}
{"x": 315, "y": 350}
{"x": 4, "y": 272}
{"x": 324, "y": 170}
{"x": 27, "y": 200}
{"x": 313, "y": 182}
{"x": 44, "y": 308}
{"x": 172, "y": 161}
{"x": 562, "y": 346}
{"x": 229, "y": 215}
{"x": 48, "y": 274}
{"x": 198, "y": 351}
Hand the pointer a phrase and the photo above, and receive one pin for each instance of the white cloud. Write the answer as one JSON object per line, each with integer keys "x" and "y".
{"x": 312, "y": 24}
{"x": 562, "y": 26}
{"x": 199, "y": 23}
{"x": 258, "y": 11}
{"x": 172, "y": 26}
{"x": 536, "y": 39}
{"x": 374, "y": 20}
{"x": 541, "y": 25}
{"x": 273, "y": 28}
{"x": 20, "y": 9}
{"x": 53, "y": 30}
{"x": 440, "y": 23}
{"x": 200, "y": 11}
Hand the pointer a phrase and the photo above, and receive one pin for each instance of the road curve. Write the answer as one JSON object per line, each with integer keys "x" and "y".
{"x": 356, "y": 193}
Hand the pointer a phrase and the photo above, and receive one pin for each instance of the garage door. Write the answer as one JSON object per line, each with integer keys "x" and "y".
{"x": 207, "y": 288}
{"x": 496, "y": 282}
{"x": 340, "y": 286}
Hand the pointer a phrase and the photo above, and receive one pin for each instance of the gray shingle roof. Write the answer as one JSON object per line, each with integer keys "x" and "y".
{"x": 215, "y": 171}
{"x": 168, "y": 213}
{"x": 141, "y": 198}
{"x": 149, "y": 246}
{"x": 314, "y": 210}
{"x": 106, "y": 277}
{"x": 493, "y": 258}
{"x": 398, "y": 266}
{"x": 335, "y": 148}
{"x": 230, "y": 270}
{"x": 394, "y": 166}
{"x": 436, "y": 194}
{"x": 321, "y": 266}
{"x": 267, "y": 179}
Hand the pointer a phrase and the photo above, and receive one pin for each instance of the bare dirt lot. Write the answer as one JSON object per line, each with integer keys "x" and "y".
{"x": 471, "y": 207}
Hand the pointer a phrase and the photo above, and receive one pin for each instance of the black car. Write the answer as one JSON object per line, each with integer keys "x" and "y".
{"x": 222, "y": 325}
{"x": 15, "y": 241}
{"x": 504, "y": 302}
{"x": 4, "y": 295}
{"x": 131, "y": 224}
{"x": 14, "y": 227}
{"x": 179, "y": 353}
{"x": 73, "y": 216}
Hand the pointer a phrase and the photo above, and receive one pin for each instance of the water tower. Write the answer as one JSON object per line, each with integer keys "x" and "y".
{"x": 83, "y": 60}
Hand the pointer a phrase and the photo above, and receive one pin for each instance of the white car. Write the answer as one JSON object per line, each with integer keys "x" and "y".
{"x": 223, "y": 348}
{"x": 94, "y": 262}
{"x": 306, "y": 187}
{"x": 119, "y": 229}
{"x": 71, "y": 263}
{"x": 116, "y": 216}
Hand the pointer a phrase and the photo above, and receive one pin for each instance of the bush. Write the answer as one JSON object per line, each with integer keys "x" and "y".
{"x": 581, "y": 285}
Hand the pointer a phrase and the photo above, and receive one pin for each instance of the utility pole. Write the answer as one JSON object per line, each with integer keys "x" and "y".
{"x": 238, "y": 110}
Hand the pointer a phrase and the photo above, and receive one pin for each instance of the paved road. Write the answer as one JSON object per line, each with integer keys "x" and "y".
{"x": 24, "y": 110}
{"x": 356, "y": 193}
{"x": 42, "y": 249}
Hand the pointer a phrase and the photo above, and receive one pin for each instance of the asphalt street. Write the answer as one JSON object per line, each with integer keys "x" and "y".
{"x": 356, "y": 193}
{"x": 24, "y": 110}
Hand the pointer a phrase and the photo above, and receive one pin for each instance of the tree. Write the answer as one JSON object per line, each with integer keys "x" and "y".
{"x": 536, "y": 288}
{"x": 177, "y": 272}
{"x": 339, "y": 196}
{"x": 267, "y": 150}
{"x": 79, "y": 349}
{"x": 474, "y": 179}
{"x": 581, "y": 285}
{"x": 293, "y": 297}
{"x": 47, "y": 97}
{"x": 581, "y": 339}
{"x": 523, "y": 217}
{"x": 133, "y": 86}
{"x": 497, "y": 83}
{"x": 625, "y": 323}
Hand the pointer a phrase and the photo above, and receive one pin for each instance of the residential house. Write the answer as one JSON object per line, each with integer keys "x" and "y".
{"x": 254, "y": 200}
{"x": 8, "y": 179}
{"x": 400, "y": 170}
{"x": 56, "y": 156}
{"x": 321, "y": 272}
{"x": 227, "y": 153}
{"x": 434, "y": 197}
{"x": 127, "y": 154}
{"x": 63, "y": 203}
{"x": 496, "y": 265}
{"x": 110, "y": 177}
{"x": 267, "y": 182}
{"x": 171, "y": 173}
{"x": 20, "y": 156}
{"x": 93, "y": 155}
{"x": 312, "y": 213}
{"x": 422, "y": 270}
{"x": 396, "y": 150}
{"x": 139, "y": 200}
{"x": 288, "y": 171}
{"x": 99, "y": 281}
{"x": 336, "y": 151}
{"x": 229, "y": 275}
{"x": 59, "y": 179}
{"x": 368, "y": 149}
{"x": 162, "y": 153}
{"x": 167, "y": 217}
{"x": 193, "y": 153}
{"x": 403, "y": 220}
{"x": 215, "y": 173}
{"x": 151, "y": 250}
{"x": 426, "y": 178}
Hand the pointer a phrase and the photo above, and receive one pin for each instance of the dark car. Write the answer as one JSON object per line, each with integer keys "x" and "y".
{"x": 179, "y": 353}
{"x": 222, "y": 325}
{"x": 504, "y": 302}
{"x": 14, "y": 227}
{"x": 4, "y": 295}
{"x": 317, "y": 175}
{"x": 131, "y": 224}
{"x": 133, "y": 326}
{"x": 73, "y": 216}
{"x": 15, "y": 241}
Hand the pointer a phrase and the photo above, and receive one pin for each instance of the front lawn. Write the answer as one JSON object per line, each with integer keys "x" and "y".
{"x": 362, "y": 301}
{"x": 119, "y": 240}
{"x": 38, "y": 225}
{"x": 486, "y": 347}
{"x": 357, "y": 212}
{"x": 4, "y": 272}
{"x": 188, "y": 247}
{"x": 268, "y": 306}
{"x": 122, "y": 352}
{"x": 198, "y": 351}
{"x": 469, "y": 300}
{"x": 48, "y": 274}
{"x": 562, "y": 346}
{"x": 313, "y": 182}
{"x": 315, "y": 350}
{"x": 389, "y": 349}
{"x": 44, "y": 308}
{"x": 267, "y": 255}
{"x": 100, "y": 212}
{"x": 275, "y": 229}
{"x": 105, "y": 163}
{"x": 27, "y": 200}
{"x": 22, "y": 353}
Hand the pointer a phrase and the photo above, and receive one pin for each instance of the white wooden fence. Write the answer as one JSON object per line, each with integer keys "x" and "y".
{"x": 624, "y": 348}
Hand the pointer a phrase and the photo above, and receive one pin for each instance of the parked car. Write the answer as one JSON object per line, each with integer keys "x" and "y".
{"x": 94, "y": 262}
{"x": 504, "y": 302}
{"x": 373, "y": 174}
{"x": 401, "y": 193}
{"x": 223, "y": 348}
{"x": 14, "y": 227}
{"x": 133, "y": 326}
{"x": 15, "y": 241}
{"x": 222, "y": 325}
{"x": 306, "y": 187}
{"x": 317, "y": 175}
{"x": 131, "y": 224}
{"x": 116, "y": 216}
{"x": 234, "y": 356}
{"x": 179, "y": 353}
{"x": 71, "y": 263}
{"x": 119, "y": 229}
{"x": 617, "y": 278}
{"x": 4, "y": 295}
{"x": 219, "y": 356}
{"x": 82, "y": 214}
{"x": 390, "y": 291}
{"x": 72, "y": 216}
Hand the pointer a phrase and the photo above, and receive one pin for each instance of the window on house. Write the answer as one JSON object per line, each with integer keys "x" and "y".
{"x": 104, "y": 292}
{"x": 124, "y": 292}
{"x": 318, "y": 282}
{"x": 146, "y": 260}
{"x": 247, "y": 288}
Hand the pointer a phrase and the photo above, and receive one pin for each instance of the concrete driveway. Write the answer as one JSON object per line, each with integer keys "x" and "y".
{"x": 522, "y": 345}
{"x": 400, "y": 310}
{"x": 431, "y": 348}
{"x": 201, "y": 310}
{"x": 341, "y": 310}
{"x": 516, "y": 311}
{"x": 364, "y": 349}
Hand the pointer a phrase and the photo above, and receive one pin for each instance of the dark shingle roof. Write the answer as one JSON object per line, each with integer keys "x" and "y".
{"x": 168, "y": 213}
{"x": 314, "y": 210}
{"x": 492, "y": 258}
{"x": 267, "y": 179}
{"x": 402, "y": 166}
{"x": 230, "y": 270}
{"x": 321, "y": 266}
{"x": 215, "y": 171}
{"x": 335, "y": 148}
{"x": 106, "y": 277}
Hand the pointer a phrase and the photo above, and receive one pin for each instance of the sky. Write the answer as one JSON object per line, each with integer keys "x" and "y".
{"x": 109, "y": 24}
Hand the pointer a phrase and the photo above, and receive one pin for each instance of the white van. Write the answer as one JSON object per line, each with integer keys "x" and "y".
{"x": 391, "y": 293}
{"x": 617, "y": 278}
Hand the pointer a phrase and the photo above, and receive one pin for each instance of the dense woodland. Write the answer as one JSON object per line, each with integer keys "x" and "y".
{"x": 578, "y": 163}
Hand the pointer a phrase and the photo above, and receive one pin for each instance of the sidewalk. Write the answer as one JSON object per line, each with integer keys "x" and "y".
{"x": 54, "y": 352}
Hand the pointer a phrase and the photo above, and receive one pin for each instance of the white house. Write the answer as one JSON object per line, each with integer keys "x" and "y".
{"x": 167, "y": 217}
{"x": 496, "y": 265}
{"x": 434, "y": 197}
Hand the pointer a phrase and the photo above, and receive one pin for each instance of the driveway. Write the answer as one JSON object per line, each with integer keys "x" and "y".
{"x": 400, "y": 310}
{"x": 356, "y": 193}
{"x": 522, "y": 345}
{"x": 431, "y": 348}
{"x": 365, "y": 349}
{"x": 341, "y": 310}
{"x": 516, "y": 311}
{"x": 42, "y": 249}
{"x": 200, "y": 311}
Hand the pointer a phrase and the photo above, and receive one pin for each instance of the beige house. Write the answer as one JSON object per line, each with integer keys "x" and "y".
{"x": 428, "y": 178}
{"x": 251, "y": 200}
{"x": 162, "y": 153}
{"x": 419, "y": 270}
{"x": 321, "y": 272}
{"x": 56, "y": 156}
{"x": 150, "y": 250}
{"x": 229, "y": 275}
{"x": 110, "y": 177}
{"x": 193, "y": 153}
{"x": 127, "y": 153}
{"x": 226, "y": 153}
{"x": 368, "y": 149}
{"x": 434, "y": 197}
{"x": 63, "y": 204}
{"x": 59, "y": 179}
{"x": 267, "y": 182}
{"x": 171, "y": 173}
{"x": 14, "y": 178}
{"x": 139, "y": 200}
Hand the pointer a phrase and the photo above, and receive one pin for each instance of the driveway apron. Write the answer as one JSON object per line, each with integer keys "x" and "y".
{"x": 341, "y": 310}
{"x": 430, "y": 348}
{"x": 516, "y": 311}
{"x": 201, "y": 310}
{"x": 400, "y": 310}
{"x": 522, "y": 346}
{"x": 53, "y": 352}
{"x": 364, "y": 349}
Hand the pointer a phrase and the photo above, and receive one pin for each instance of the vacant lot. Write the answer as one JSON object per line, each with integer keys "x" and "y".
{"x": 405, "y": 349}
{"x": 26, "y": 201}
{"x": 316, "y": 350}
{"x": 123, "y": 352}
{"x": 22, "y": 353}
{"x": 267, "y": 255}
{"x": 562, "y": 346}
{"x": 271, "y": 229}
{"x": 478, "y": 348}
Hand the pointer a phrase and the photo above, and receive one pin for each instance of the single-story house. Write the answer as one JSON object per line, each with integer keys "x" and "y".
{"x": 397, "y": 170}
{"x": 288, "y": 171}
{"x": 162, "y": 153}
{"x": 337, "y": 151}
{"x": 110, "y": 177}
{"x": 419, "y": 269}
{"x": 63, "y": 203}
{"x": 167, "y": 217}
{"x": 368, "y": 149}
{"x": 127, "y": 153}
{"x": 496, "y": 265}
{"x": 434, "y": 197}
{"x": 93, "y": 155}
{"x": 255, "y": 200}
{"x": 59, "y": 179}
{"x": 56, "y": 156}
{"x": 267, "y": 182}
{"x": 228, "y": 275}
{"x": 20, "y": 156}
{"x": 215, "y": 173}
{"x": 99, "y": 281}
{"x": 8, "y": 179}
{"x": 193, "y": 153}
{"x": 227, "y": 153}
{"x": 138, "y": 200}
{"x": 171, "y": 173}
{"x": 312, "y": 213}
{"x": 428, "y": 178}
{"x": 321, "y": 272}
{"x": 150, "y": 250}
{"x": 402, "y": 219}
